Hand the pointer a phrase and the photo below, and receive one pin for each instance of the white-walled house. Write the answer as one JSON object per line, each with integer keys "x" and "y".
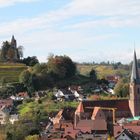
{"x": 76, "y": 94}
{"x": 67, "y": 94}
{"x": 4, "y": 112}
{"x": 5, "y": 108}
{"x": 59, "y": 94}
{"x": 20, "y": 96}
{"x": 13, "y": 118}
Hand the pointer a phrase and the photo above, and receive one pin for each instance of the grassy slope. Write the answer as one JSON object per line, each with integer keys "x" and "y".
{"x": 11, "y": 71}
{"x": 47, "y": 105}
{"x": 102, "y": 70}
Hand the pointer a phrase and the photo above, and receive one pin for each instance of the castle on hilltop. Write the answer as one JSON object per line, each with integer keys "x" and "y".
{"x": 9, "y": 51}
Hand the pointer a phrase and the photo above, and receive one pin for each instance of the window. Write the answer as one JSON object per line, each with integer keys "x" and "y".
{"x": 138, "y": 90}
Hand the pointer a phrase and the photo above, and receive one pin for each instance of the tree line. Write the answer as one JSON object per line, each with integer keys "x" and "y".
{"x": 48, "y": 75}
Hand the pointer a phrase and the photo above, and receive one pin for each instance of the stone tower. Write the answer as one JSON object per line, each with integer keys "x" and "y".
{"x": 14, "y": 47}
{"x": 13, "y": 42}
{"x": 134, "y": 101}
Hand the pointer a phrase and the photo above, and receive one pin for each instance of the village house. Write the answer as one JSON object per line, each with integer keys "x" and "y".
{"x": 100, "y": 117}
{"x": 66, "y": 94}
{"x": 5, "y": 109}
{"x": 127, "y": 134}
{"x": 112, "y": 78}
{"x": 20, "y": 96}
{"x": 4, "y": 112}
{"x": 14, "y": 118}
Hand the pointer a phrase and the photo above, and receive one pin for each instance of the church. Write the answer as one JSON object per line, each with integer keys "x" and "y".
{"x": 91, "y": 113}
{"x": 95, "y": 119}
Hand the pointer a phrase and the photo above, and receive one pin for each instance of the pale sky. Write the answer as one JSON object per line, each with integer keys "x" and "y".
{"x": 85, "y": 30}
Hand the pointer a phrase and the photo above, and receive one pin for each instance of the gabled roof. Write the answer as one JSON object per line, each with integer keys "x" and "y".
{"x": 133, "y": 128}
{"x": 58, "y": 117}
{"x": 129, "y": 133}
{"x": 121, "y": 105}
{"x": 6, "y": 102}
{"x": 66, "y": 92}
{"x": 95, "y": 111}
{"x": 80, "y": 108}
{"x": 97, "y": 114}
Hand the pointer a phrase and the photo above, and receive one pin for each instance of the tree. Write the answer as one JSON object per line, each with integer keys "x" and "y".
{"x": 20, "y": 51}
{"x": 6, "y": 92}
{"x": 30, "y": 61}
{"x": 61, "y": 67}
{"x": 3, "y": 81}
{"x": 24, "y": 77}
{"x": 4, "y": 50}
{"x": 121, "y": 88}
{"x": 40, "y": 68}
{"x": 93, "y": 75}
{"x": 34, "y": 137}
{"x": 27, "y": 79}
{"x": 20, "y": 130}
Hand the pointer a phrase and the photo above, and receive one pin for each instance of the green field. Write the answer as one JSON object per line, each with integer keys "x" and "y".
{"x": 9, "y": 72}
{"x": 102, "y": 70}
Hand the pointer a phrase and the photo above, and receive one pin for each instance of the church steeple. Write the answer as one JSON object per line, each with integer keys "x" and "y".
{"x": 134, "y": 101}
{"x": 135, "y": 74}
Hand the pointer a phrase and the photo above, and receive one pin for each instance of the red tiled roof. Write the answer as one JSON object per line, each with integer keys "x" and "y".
{"x": 95, "y": 111}
{"x": 121, "y": 105}
{"x": 88, "y": 125}
{"x": 71, "y": 132}
{"x": 58, "y": 117}
{"x": 97, "y": 114}
{"x": 129, "y": 133}
{"x": 6, "y": 102}
{"x": 23, "y": 94}
{"x": 118, "y": 129}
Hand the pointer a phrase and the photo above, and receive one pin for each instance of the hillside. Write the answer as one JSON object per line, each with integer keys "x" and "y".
{"x": 9, "y": 72}
{"x": 102, "y": 70}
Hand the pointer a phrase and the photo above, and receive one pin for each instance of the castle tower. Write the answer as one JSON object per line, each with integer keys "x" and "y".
{"x": 134, "y": 101}
{"x": 14, "y": 46}
{"x": 13, "y": 42}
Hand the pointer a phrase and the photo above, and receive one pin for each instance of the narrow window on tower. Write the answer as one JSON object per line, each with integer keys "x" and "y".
{"x": 138, "y": 90}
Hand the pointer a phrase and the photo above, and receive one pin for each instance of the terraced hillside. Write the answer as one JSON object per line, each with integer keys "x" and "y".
{"x": 9, "y": 72}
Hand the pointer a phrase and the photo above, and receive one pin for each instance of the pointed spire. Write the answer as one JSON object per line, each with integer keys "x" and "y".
{"x": 134, "y": 74}
{"x": 13, "y": 42}
{"x": 13, "y": 38}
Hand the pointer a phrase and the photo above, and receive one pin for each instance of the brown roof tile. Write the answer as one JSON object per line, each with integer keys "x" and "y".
{"x": 97, "y": 114}
{"x": 121, "y": 105}
{"x": 118, "y": 129}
